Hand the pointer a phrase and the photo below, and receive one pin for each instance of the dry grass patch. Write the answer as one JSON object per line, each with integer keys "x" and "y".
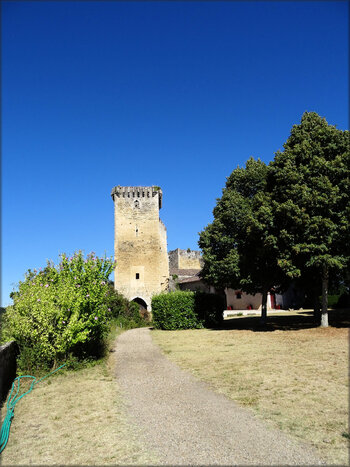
{"x": 295, "y": 379}
{"x": 74, "y": 418}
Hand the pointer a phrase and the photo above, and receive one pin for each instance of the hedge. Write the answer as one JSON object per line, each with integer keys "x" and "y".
{"x": 186, "y": 310}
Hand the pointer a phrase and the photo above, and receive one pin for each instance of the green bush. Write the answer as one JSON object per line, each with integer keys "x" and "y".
{"x": 126, "y": 312}
{"x": 3, "y": 326}
{"x": 61, "y": 312}
{"x": 175, "y": 310}
{"x": 332, "y": 300}
{"x": 186, "y": 310}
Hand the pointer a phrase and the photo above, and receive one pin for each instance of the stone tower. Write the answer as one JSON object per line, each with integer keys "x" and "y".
{"x": 140, "y": 243}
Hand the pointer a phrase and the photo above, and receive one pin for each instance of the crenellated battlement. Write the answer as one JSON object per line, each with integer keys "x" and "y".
{"x": 137, "y": 192}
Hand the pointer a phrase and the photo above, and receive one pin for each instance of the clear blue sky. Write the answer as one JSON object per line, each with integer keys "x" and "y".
{"x": 175, "y": 94}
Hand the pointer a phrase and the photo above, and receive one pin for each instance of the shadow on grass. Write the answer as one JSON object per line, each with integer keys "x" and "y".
{"x": 295, "y": 322}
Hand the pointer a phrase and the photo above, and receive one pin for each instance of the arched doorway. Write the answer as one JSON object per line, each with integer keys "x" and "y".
{"x": 142, "y": 307}
{"x": 140, "y": 302}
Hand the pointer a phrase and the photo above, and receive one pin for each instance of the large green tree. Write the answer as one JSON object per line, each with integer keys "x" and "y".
{"x": 310, "y": 188}
{"x": 239, "y": 247}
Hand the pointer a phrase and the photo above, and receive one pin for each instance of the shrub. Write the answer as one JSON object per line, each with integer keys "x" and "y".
{"x": 332, "y": 300}
{"x": 3, "y": 326}
{"x": 127, "y": 313}
{"x": 186, "y": 310}
{"x": 175, "y": 310}
{"x": 61, "y": 311}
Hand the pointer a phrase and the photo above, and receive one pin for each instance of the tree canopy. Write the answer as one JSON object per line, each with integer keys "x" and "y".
{"x": 239, "y": 247}
{"x": 309, "y": 186}
{"x": 286, "y": 220}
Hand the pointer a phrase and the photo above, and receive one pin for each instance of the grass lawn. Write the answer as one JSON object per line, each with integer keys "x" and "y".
{"x": 292, "y": 374}
{"x": 74, "y": 418}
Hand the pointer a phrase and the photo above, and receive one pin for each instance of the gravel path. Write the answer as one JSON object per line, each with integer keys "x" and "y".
{"x": 185, "y": 422}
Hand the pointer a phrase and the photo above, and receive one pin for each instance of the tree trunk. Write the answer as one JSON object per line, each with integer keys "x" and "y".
{"x": 263, "y": 318}
{"x": 317, "y": 308}
{"x": 324, "y": 315}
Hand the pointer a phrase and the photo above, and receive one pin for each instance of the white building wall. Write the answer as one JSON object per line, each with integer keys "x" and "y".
{"x": 245, "y": 300}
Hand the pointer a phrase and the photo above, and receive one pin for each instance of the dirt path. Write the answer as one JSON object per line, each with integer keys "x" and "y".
{"x": 184, "y": 422}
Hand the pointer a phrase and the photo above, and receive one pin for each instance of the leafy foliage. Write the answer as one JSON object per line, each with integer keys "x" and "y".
{"x": 286, "y": 221}
{"x": 61, "y": 311}
{"x": 240, "y": 248}
{"x": 186, "y": 310}
{"x": 127, "y": 313}
{"x": 310, "y": 193}
{"x": 175, "y": 310}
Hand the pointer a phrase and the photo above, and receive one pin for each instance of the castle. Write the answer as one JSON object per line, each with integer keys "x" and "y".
{"x": 140, "y": 243}
{"x": 143, "y": 265}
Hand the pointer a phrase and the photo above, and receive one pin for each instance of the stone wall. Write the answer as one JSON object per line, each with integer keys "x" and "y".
{"x": 185, "y": 259}
{"x": 140, "y": 243}
{"x": 173, "y": 259}
{"x": 8, "y": 368}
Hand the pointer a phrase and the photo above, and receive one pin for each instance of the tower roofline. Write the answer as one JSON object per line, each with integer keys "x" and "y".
{"x": 137, "y": 192}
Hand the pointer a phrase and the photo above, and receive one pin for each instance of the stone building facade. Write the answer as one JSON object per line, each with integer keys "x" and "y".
{"x": 140, "y": 243}
{"x": 183, "y": 265}
{"x": 185, "y": 259}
